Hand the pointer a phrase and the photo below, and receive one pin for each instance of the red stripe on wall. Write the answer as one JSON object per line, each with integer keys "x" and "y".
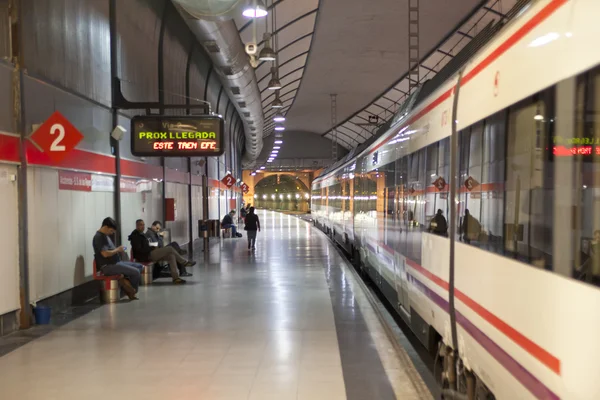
{"x": 141, "y": 170}
{"x": 77, "y": 159}
{"x": 526, "y": 344}
{"x": 9, "y": 148}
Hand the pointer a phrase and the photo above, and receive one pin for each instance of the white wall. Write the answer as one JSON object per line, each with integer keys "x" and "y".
{"x": 61, "y": 226}
{"x": 196, "y": 209}
{"x": 9, "y": 243}
{"x": 179, "y": 227}
{"x": 146, "y": 205}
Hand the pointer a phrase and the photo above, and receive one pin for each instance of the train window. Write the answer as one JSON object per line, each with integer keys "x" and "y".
{"x": 580, "y": 173}
{"x": 492, "y": 178}
{"x": 529, "y": 182}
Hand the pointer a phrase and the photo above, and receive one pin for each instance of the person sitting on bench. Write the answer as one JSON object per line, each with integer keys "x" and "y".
{"x": 108, "y": 259}
{"x": 142, "y": 251}
{"x": 228, "y": 223}
{"x": 155, "y": 235}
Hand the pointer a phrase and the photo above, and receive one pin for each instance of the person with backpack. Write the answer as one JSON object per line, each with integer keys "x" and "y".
{"x": 470, "y": 229}
{"x": 252, "y": 227}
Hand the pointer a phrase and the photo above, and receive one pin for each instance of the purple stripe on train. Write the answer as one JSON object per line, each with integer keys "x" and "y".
{"x": 535, "y": 386}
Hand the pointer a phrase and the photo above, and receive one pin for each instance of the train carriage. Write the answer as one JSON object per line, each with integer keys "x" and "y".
{"x": 507, "y": 142}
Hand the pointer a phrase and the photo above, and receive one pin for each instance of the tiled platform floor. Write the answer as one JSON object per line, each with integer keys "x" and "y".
{"x": 281, "y": 323}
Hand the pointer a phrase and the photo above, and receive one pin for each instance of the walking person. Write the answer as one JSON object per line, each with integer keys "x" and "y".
{"x": 252, "y": 227}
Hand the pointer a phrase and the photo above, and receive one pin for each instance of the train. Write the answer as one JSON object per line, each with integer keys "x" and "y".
{"x": 475, "y": 210}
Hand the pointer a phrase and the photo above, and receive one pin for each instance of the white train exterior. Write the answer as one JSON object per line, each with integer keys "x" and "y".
{"x": 526, "y": 299}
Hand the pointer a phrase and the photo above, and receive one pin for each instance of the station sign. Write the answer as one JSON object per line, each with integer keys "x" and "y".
{"x": 228, "y": 180}
{"x": 177, "y": 136}
{"x": 471, "y": 183}
{"x": 56, "y": 137}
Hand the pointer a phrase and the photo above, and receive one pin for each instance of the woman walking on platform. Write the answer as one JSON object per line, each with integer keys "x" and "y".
{"x": 252, "y": 226}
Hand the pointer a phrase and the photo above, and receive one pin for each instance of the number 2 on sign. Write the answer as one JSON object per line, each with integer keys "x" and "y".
{"x": 56, "y": 146}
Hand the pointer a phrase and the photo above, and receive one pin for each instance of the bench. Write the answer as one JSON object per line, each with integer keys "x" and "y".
{"x": 111, "y": 291}
{"x": 146, "y": 271}
{"x": 226, "y": 233}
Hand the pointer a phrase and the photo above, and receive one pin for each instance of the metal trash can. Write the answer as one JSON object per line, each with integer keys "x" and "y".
{"x": 111, "y": 292}
{"x": 214, "y": 228}
{"x": 147, "y": 274}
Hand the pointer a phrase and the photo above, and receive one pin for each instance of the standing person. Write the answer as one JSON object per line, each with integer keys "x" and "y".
{"x": 252, "y": 226}
{"x": 108, "y": 259}
{"x": 243, "y": 213}
{"x": 142, "y": 251}
{"x": 471, "y": 228}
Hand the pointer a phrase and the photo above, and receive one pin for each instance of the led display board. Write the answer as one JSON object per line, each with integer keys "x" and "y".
{"x": 177, "y": 136}
{"x": 586, "y": 148}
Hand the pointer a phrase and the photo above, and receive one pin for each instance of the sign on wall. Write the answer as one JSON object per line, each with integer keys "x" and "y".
{"x": 84, "y": 182}
{"x": 177, "y": 136}
{"x": 56, "y": 137}
{"x": 228, "y": 180}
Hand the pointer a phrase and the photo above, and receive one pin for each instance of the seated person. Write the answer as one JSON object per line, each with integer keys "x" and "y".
{"x": 108, "y": 259}
{"x": 155, "y": 235}
{"x": 142, "y": 251}
{"x": 228, "y": 223}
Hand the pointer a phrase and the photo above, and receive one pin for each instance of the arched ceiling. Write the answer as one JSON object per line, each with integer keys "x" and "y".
{"x": 294, "y": 28}
{"x": 358, "y": 50}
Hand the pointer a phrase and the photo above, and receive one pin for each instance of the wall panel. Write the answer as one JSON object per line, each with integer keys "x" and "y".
{"x": 68, "y": 42}
{"x": 197, "y": 209}
{"x": 179, "y": 227}
{"x": 62, "y": 224}
{"x": 9, "y": 245}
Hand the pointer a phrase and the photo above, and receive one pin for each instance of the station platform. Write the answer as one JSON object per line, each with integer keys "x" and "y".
{"x": 287, "y": 321}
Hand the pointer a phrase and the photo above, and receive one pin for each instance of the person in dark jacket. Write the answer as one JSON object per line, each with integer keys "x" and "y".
{"x": 155, "y": 235}
{"x": 470, "y": 228}
{"x": 228, "y": 223}
{"x": 439, "y": 225}
{"x": 143, "y": 252}
{"x": 252, "y": 226}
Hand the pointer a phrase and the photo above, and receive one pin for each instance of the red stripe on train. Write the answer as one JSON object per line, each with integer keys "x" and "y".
{"x": 503, "y": 48}
{"x": 529, "y": 346}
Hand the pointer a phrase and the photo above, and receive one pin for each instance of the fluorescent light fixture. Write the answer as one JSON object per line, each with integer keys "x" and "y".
{"x": 538, "y": 117}
{"x": 252, "y": 174}
{"x": 263, "y": 167}
{"x": 544, "y": 39}
{"x": 278, "y": 142}
{"x": 279, "y": 117}
{"x": 279, "y": 128}
{"x": 255, "y": 9}
{"x": 276, "y": 147}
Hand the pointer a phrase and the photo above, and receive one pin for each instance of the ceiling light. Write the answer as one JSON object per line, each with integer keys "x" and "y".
{"x": 277, "y": 103}
{"x": 276, "y": 147}
{"x": 263, "y": 167}
{"x": 267, "y": 53}
{"x": 279, "y": 117}
{"x": 279, "y": 128}
{"x": 278, "y": 141}
{"x": 274, "y": 83}
{"x": 255, "y": 9}
{"x": 270, "y": 160}
{"x": 538, "y": 117}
